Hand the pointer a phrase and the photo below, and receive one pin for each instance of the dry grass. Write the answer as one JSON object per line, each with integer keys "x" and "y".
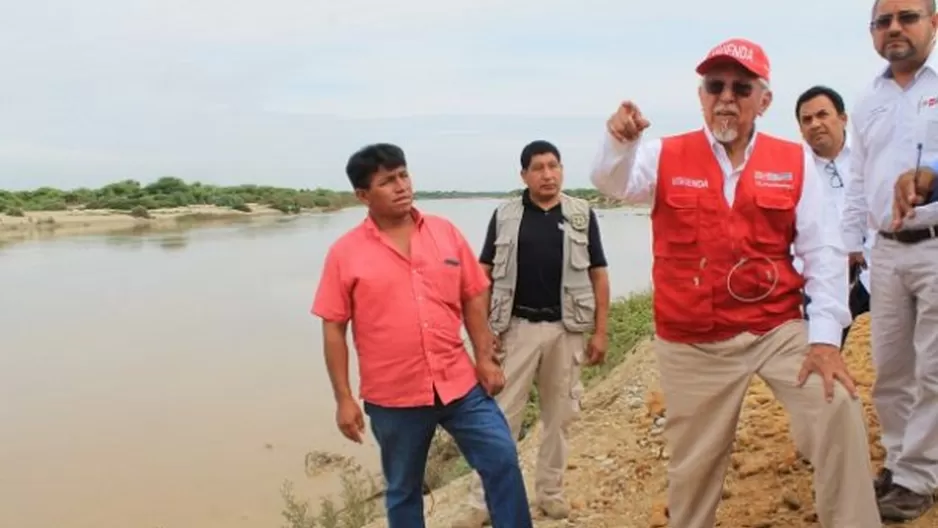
{"x": 357, "y": 507}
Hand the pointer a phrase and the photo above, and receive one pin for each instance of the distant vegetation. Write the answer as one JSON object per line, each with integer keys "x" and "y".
{"x": 169, "y": 192}
{"x": 590, "y": 195}
{"x": 138, "y": 199}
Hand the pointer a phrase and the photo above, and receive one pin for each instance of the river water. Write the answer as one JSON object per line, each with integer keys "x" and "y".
{"x": 175, "y": 380}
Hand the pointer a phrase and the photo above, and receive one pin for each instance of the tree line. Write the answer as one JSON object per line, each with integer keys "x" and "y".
{"x": 170, "y": 192}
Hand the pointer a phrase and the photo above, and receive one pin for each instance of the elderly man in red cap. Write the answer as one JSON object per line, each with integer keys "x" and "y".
{"x": 728, "y": 205}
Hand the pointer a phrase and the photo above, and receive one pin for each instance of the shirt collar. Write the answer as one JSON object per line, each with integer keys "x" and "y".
{"x": 931, "y": 64}
{"x": 527, "y": 202}
{"x": 372, "y": 227}
{"x": 844, "y": 152}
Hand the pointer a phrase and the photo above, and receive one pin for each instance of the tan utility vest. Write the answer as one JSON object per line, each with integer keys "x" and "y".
{"x": 578, "y": 304}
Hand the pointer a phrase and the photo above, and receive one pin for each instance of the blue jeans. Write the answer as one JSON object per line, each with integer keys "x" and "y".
{"x": 482, "y": 434}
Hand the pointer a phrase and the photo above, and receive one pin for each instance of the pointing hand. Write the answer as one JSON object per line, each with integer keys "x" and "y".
{"x": 627, "y": 123}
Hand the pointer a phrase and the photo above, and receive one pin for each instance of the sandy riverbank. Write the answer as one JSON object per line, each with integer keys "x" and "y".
{"x": 45, "y": 224}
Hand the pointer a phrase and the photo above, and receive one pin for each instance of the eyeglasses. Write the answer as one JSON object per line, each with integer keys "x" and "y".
{"x": 739, "y": 88}
{"x": 905, "y": 18}
{"x": 835, "y": 180}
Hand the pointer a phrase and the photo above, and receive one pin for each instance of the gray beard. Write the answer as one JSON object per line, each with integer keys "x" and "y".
{"x": 724, "y": 134}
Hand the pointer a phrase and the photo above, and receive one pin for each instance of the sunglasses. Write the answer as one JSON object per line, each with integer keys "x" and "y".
{"x": 739, "y": 88}
{"x": 905, "y": 18}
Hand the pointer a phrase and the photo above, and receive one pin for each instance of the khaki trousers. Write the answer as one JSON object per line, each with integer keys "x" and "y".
{"x": 703, "y": 387}
{"x": 904, "y": 321}
{"x": 550, "y": 354}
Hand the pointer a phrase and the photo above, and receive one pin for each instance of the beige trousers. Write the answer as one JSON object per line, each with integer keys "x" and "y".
{"x": 550, "y": 354}
{"x": 904, "y": 316}
{"x": 704, "y": 386}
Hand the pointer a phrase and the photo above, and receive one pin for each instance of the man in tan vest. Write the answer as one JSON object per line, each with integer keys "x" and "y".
{"x": 549, "y": 289}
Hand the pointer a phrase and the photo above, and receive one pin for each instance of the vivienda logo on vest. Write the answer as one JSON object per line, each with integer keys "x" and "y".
{"x": 776, "y": 180}
{"x": 694, "y": 183}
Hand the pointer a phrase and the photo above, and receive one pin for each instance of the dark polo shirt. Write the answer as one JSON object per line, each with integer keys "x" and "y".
{"x": 540, "y": 258}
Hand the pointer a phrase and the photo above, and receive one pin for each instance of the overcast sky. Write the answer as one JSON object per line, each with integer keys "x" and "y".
{"x": 280, "y": 92}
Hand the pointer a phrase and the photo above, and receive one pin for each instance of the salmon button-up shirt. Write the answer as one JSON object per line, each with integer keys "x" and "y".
{"x": 406, "y": 312}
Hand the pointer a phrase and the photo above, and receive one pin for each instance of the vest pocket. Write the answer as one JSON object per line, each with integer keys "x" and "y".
{"x": 580, "y": 304}
{"x": 773, "y": 227}
{"x": 579, "y": 250}
{"x": 681, "y": 296}
{"x": 503, "y": 249}
{"x": 682, "y": 217}
{"x": 500, "y": 309}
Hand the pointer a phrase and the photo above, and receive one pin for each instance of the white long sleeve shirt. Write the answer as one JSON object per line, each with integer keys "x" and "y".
{"x": 629, "y": 171}
{"x": 888, "y": 125}
{"x": 835, "y": 178}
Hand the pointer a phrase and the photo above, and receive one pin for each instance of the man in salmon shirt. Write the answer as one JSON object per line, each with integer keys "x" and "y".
{"x": 407, "y": 282}
{"x": 729, "y": 203}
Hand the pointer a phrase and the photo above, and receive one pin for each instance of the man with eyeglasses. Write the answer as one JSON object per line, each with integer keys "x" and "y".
{"x": 822, "y": 118}
{"x": 728, "y": 205}
{"x": 895, "y": 125}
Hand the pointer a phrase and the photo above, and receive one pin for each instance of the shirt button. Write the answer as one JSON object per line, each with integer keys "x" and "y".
{"x": 425, "y": 325}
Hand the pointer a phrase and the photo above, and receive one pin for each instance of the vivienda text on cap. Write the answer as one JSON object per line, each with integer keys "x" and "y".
{"x": 737, "y": 51}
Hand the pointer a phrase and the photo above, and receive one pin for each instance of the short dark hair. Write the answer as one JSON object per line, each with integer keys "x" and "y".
{"x": 819, "y": 91}
{"x": 368, "y": 160}
{"x": 536, "y": 148}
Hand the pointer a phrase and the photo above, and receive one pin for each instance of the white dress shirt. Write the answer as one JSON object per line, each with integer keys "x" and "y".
{"x": 629, "y": 171}
{"x": 888, "y": 125}
{"x": 835, "y": 177}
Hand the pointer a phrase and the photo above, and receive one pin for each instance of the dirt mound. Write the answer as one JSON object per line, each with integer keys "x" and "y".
{"x": 616, "y": 476}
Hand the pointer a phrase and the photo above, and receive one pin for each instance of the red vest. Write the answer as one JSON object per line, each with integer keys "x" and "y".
{"x": 718, "y": 270}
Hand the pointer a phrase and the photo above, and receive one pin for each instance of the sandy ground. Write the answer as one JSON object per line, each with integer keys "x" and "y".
{"x": 44, "y": 224}
{"x": 616, "y": 476}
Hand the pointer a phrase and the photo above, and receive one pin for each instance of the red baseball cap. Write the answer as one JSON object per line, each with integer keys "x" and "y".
{"x": 744, "y": 52}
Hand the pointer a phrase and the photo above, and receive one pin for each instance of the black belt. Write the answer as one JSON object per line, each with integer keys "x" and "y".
{"x": 911, "y": 236}
{"x": 538, "y": 315}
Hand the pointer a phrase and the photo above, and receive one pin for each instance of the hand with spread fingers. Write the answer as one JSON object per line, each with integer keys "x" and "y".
{"x": 911, "y": 189}
{"x": 627, "y": 124}
{"x": 826, "y": 361}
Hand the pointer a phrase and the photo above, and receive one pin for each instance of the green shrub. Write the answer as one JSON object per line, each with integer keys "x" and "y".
{"x": 140, "y": 211}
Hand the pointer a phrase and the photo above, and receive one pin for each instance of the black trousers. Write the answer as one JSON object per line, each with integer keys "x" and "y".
{"x": 859, "y": 301}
